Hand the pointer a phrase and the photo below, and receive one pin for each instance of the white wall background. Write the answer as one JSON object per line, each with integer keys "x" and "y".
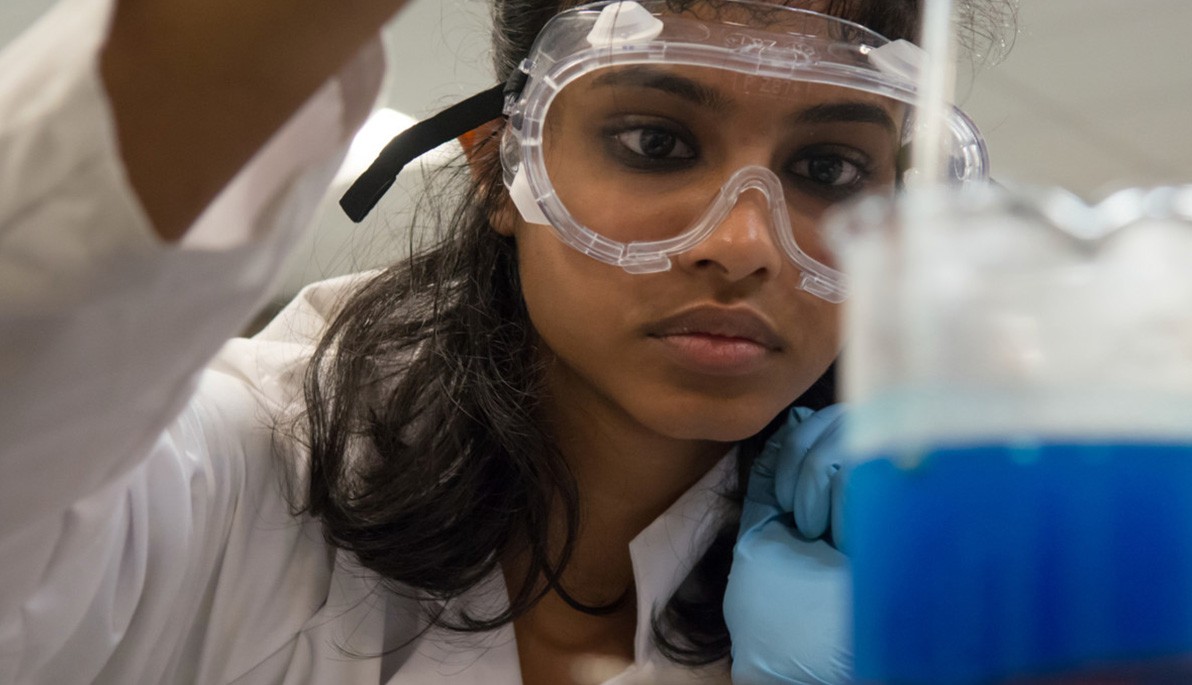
{"x": 1095, "y": 95}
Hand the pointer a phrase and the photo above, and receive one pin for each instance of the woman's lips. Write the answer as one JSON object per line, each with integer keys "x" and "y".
{"x": 717, "y": 340}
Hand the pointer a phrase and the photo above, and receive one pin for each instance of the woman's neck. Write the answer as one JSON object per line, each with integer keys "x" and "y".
{"x": 627, "y": 476}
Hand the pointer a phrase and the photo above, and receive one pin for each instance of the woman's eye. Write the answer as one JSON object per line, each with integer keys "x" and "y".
{"x": 829, "y": 170}
{"x": 655, "y": 143}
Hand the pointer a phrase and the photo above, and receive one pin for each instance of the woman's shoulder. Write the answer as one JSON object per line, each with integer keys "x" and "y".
{"x": 272, "y": 363}
{"x": 247, "y": 410}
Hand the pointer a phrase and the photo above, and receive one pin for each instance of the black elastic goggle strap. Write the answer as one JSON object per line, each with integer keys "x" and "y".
{"x": 367, "y": 190}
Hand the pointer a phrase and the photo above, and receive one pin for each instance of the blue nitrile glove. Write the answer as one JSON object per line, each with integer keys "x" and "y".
{"x": 787, "y": 603}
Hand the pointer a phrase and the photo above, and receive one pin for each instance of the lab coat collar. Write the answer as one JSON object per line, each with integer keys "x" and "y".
{"x": 662, "y": 555}
{"x": 665, "y": 552}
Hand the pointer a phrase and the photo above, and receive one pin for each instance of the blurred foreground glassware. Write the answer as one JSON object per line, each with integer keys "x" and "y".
{"x": 1020, "y": 370}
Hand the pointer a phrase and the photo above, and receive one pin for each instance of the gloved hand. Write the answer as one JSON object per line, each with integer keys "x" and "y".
{"x": 787, "y": 603}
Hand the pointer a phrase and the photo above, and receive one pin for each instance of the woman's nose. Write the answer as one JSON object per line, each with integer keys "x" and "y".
{"x": 743, "y": 245}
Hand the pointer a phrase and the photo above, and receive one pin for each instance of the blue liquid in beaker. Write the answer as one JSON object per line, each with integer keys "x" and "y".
{"x": 993, "y": 563}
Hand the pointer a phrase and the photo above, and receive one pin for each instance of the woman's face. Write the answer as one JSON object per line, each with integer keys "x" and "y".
{"x": 715, "y": 347}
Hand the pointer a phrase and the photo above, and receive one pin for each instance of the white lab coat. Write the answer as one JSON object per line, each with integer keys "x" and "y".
{"x": 144, "y": 536}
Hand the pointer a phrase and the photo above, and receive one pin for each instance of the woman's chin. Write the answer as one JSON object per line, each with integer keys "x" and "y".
{"x": 726, "y": 426}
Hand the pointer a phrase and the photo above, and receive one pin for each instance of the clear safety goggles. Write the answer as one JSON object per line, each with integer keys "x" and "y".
{"x": 635, "y": 131}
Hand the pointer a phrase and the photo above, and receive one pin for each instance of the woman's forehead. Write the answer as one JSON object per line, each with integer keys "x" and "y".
{"x": 713, "y": 89}
{"x": 755, "y": 14}
{"x": 711, "y": 6}
{"x": 776, "y": 13}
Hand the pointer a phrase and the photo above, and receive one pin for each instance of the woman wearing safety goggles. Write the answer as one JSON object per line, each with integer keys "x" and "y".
{"x": 523, "y": 447}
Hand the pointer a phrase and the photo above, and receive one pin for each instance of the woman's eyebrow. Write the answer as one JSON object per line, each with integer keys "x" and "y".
{"x": 706, "y": 96}
{"x": 648, "y": 77}
{"x": 857, "y": 112}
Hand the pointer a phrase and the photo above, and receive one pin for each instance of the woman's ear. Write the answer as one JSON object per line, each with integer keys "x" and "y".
{"x": 482, "y": 147}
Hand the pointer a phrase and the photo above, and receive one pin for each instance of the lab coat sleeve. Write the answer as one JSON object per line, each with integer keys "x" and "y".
{"x": 104, "y": 330}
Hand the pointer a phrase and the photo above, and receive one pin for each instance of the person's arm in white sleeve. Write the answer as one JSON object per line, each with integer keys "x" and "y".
{"x": 105, "y": 324}
{"x": 134, "y": 240}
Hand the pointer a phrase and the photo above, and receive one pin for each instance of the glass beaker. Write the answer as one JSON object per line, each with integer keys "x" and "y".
{"x": 1020, "y": 373}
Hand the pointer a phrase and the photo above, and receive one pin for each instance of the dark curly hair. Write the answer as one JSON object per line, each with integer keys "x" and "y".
{"x": 427, "y": 457}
